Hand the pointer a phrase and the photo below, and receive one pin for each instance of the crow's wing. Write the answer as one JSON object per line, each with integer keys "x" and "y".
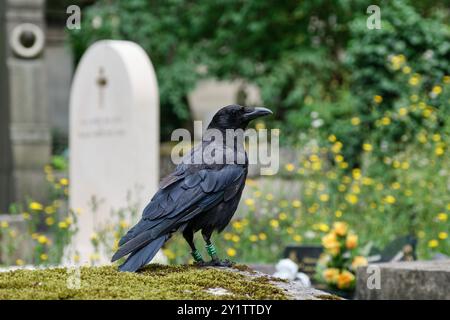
{"x": 186, "y": 194}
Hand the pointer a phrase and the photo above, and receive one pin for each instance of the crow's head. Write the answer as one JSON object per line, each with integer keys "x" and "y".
{"x": 236, "y": 117}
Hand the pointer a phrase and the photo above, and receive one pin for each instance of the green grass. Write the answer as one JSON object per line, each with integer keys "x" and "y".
{"x": 154, "y": 282}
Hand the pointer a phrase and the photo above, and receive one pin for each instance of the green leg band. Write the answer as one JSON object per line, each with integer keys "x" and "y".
{"x": 211, "y": 250}
{"x": 197, "y": 256}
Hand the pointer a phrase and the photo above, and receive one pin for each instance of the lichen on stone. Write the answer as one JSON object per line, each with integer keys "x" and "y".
{"x": 153, "y": 282}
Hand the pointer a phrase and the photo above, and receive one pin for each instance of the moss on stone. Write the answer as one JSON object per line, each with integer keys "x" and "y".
{"x": 154, "y": 282}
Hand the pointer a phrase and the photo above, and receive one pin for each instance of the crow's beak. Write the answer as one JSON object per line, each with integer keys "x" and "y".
{"x": 256, "y": 113}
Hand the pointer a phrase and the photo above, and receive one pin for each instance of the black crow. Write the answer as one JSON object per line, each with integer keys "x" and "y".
{"x": 201, "y": 194}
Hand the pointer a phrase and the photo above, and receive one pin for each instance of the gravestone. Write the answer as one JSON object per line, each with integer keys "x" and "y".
{"x": 114, "y": 138}
{"x": 409, "y": 280}
{"x": 24, "y": 119}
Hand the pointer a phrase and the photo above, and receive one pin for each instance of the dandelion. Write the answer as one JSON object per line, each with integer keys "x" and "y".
{"x": 433, "y": 243}
{"x": 414, "y": 98}
{"x": 351, "y": 198}
{"x": 269, "y": 197}
{"x": 289, "y": 167}
{"x": 442, "y": 217}
{"x": 169, "y": 254}
{"x": 324, "y": 197}
{"x": 439, "y": 151}
{"x": 231, "y": 252}
{"x": 337, "y": 146}
{"x": 237, "y": 225}
{"x": 227, "y": 236}
{"x": 44, "y": 257}
{"x": 355, "y": 121}
{"x": 94, "y": 236}
{"x": 296, "y": 203}
{"x": 124, "y": 224}
{"x": 290, "y": 230}
{"x": 274, "y": 223}
{"x": 389, "y": 199}
{"x": 249, "y": 202}
{"x": 332, "y": 138}
{"x": 414, "y": 80}
{"x": 26, "y": 216}
{"x": 385, "y": 121}
{"x": 446, "y": 79}
{"x": 436, "y": 137}
{"x": 49, "y": 210}
{"x": 4, "y": 224}
{"x": 437, "y": 90}
{"x": 402, "y": 112}
{"x": 442, "y": 235}
{"x": 282, "y": 216}
{"x": 63, "y": 225}
{"x": 338, "y": 213}
{"x": 378, "y": 99}
{"x": 324, "y": 227}
{"x": 367, "y": 147}
{"x": 235, "y": 238}
{"x": 262, "y": 236}
{"x": 19, "y": 262}
{"x": 297, "y": 238}
{"x": 64, "y": 181}
{"x": 36, "y": 206}
{"x": 406, "y": 70}
{"x": 253, "y": 238}
{"x": 42, "y": 239}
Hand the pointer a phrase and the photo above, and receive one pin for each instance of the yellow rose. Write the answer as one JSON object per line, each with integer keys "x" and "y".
{"x": 345, "y": 279}
{"x": 359, "y": 261}
{"x": 331, "y": 275}
{"x": 351, "y": 241}
{"x": 340, "y": 228}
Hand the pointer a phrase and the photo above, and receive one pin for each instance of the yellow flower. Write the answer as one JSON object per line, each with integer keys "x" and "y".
{"x": 49, "y": 221}
{"x": 442, "y": 235}
{"x": 340, "y": 228}
{"x": 44, "y": 257}
{"x": 336, "y": 147}
{"x": 4, "y": 224}
{"x": 249, "y": 202}
{"x": 355, "y": 121}
{"x": 396, "y": 186}
{"x": 262, "y": 236}
{"x": 290, "y": 167}
{"x": 227, "y": 236}
{"x": 20, "y": 262}
{"x": 26, "y": 216}
{"x": 414, "y": 80}
{"x": 282, "y": 216}
{"x": 332, "y": 138}
{"x": 351, "y": 198}
{"x": 324, "y": 197}
{"x": 64, "y": 181}
{"x": 257, "y": 194}
{"x": 389, "y": 199}
{"x": 329, "y": 240}
{"x": 296, "y": 203}
{"x": 274, "y": 223}
{"x": 442, "y": 217}
{"x": 253, "y": 238}
{"x": 269, "y": 197}
{"x": 63, "y": 225}
{"x": 406, "y": 70}
{"x": 378, "y": 99}
{"x": 12, "y": 233}
{"x": 124, "y": 224}
{"x": 235, "y": 238}
{"x": 436, "y": 137}
{"x": 324, "y": 227}
{"x": 339, "y": 158}
{"x": 297, "y": 238}
{"x": 352, "y": 241}
{"x": 260, "y": 125}
{"x": 359, "y": 261}
{"x": 439, "y": 151}
{"x": 169, "y": 254}
{"x": 42, "y": 239}
{"x": 402, "y": 111}
{"x": 338, "y": 213}
{"x": 345, "y": 279}
{"x": 367, "y": 147}
{"x": 237, "y": 225}
{"x": 49, "y": 210}
{"x": 94, "y": 236}
{"x": 437, "y": 90}
{"x": 385, "y": 121}
{"x": 331, "y": 275}
{"x": 231, "y": 252}
{"x": 433, "y": 243}
{"x": 94, "y": 257}
{"x": 36, "y": 206}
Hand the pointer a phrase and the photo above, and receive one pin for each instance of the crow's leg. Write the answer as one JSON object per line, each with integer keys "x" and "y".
{"x": 215, "y": 261}
{"x": 188, "y": 235}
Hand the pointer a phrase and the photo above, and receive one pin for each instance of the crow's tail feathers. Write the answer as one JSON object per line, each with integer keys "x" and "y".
{"x": 141, "y": 257}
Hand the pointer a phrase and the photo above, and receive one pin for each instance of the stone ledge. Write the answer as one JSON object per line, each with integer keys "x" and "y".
{"x": 154, "y": 282}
